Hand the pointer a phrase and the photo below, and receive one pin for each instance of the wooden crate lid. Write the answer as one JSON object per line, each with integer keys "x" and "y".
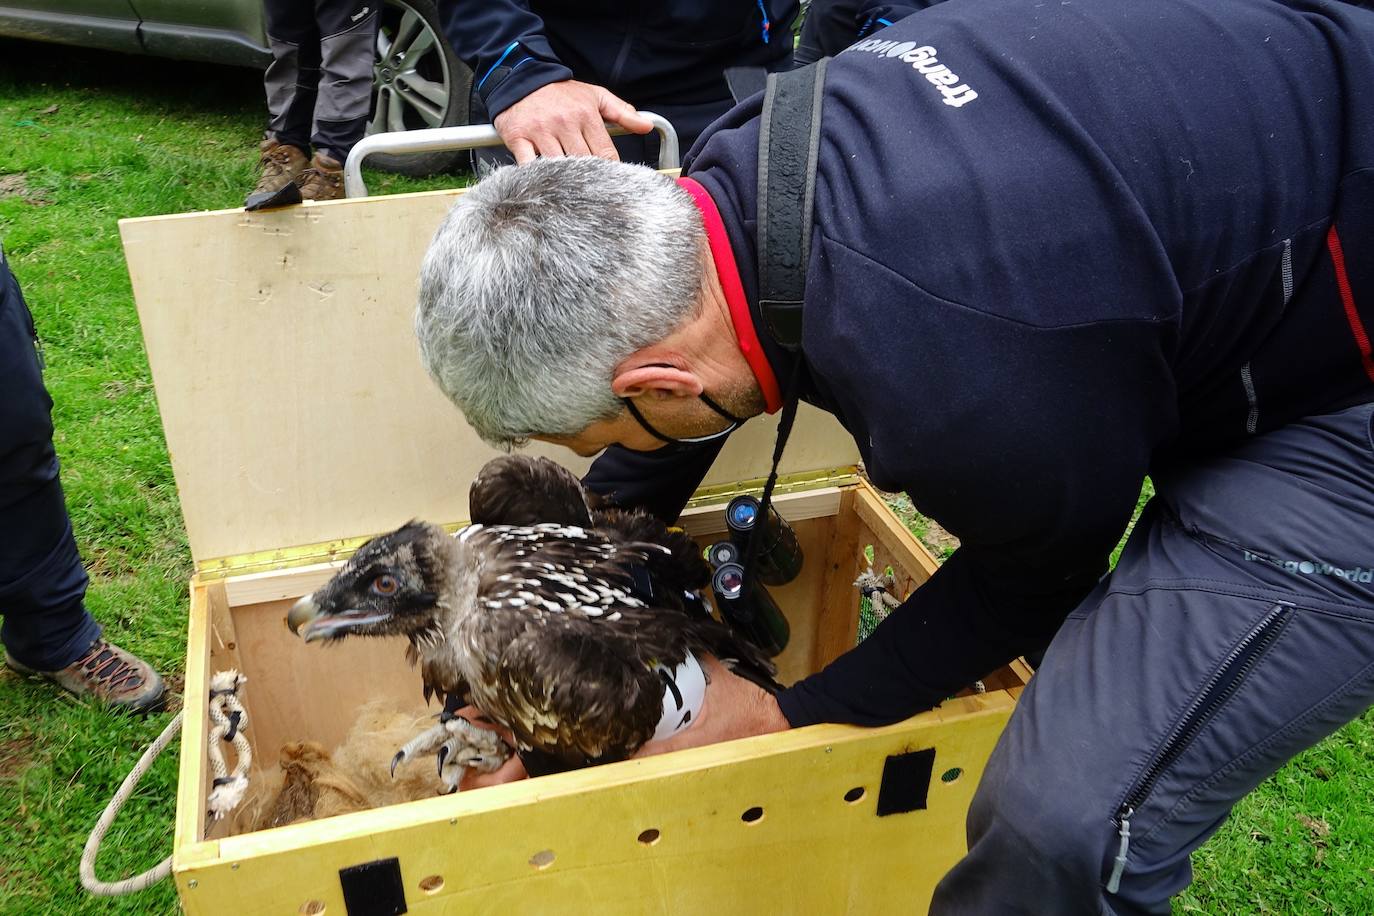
{"x": 294, "y": 404}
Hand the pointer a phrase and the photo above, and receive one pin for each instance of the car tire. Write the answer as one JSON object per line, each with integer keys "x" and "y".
{"x": 417, "y": 82}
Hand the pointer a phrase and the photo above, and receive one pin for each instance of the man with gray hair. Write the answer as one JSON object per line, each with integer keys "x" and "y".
{"x": 1039, "y": 271}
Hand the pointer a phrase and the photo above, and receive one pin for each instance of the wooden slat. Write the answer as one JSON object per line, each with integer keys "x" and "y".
{"x": 277, "y": 585}
{"x": 906, "y": 551}
{"x": 838, "y": 624}
{"x": 192, "y": 772}
{"x": 294, "y": 403}
{"x": 810, "y": 852}
{"x": 819, "y": 503}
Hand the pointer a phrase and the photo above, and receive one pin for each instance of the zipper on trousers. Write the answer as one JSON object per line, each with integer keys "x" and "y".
{"x": 1219, "y": 688}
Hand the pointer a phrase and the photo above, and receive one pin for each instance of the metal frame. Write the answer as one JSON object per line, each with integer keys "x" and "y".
{"x": 473, "y": 136}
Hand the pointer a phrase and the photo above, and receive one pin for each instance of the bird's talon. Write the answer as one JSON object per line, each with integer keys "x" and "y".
{"x": 400, "y": 755}
{"x": 442, "y": 755}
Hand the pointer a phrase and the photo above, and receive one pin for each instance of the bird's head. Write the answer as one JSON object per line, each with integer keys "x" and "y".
{"x": 393, "y": 586}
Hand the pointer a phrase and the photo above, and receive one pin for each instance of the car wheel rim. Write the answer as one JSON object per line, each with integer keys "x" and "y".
{"x": 410, "y": 74}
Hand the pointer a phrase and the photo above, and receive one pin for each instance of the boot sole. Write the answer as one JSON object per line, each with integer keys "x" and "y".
{"x": 155, "y": 701}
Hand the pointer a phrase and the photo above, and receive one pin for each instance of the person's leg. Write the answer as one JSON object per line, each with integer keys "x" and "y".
{"x": 1237, "y": 630}
{"x": 292, "y": 79}
{"x": 42, "y": 581}
{"x": 348, "y": 30}
{"x": 291, "y": 82}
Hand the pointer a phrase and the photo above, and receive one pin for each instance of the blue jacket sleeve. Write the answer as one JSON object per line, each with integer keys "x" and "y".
{"x": 833, "y": 25}
{"x": 659, "y": 482}
{"x": 1031, "y": 449}
{"x": 504, "y": 44}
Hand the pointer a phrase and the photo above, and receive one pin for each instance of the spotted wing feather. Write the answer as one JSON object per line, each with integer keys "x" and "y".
{"x": 523, "y": 490}
{"x": 568, "y": 649}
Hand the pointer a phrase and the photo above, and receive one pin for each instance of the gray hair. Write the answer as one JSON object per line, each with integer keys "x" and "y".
{"x": 542, "y": 279}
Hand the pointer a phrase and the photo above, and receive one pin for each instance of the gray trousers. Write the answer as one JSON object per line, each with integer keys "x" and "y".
{"x": 319, "y": 84}
{"x": 1236, "y": 631}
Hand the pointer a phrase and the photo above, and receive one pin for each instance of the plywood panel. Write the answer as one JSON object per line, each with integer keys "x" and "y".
{"x": 811, "y": 851}
{"x": 293, "y": 400}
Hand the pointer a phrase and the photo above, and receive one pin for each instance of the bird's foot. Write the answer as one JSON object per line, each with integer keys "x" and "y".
{"x": 459, "y": 744}
{"x": 422, "y": 743}
{"x": 469, "y": 746}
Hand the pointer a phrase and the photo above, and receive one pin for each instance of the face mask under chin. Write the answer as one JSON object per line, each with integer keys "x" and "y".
{"x": 673, "y": 443}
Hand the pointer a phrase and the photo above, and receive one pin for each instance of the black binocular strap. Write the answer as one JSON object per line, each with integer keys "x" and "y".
{"x": 789, "y": 140}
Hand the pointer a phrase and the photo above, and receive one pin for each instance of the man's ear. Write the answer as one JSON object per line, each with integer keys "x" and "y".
{"x": 634, "y": 378}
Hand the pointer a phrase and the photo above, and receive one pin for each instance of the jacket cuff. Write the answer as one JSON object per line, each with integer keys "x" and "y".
{"x": 513, "y": 79}
{"x": 793, "y": 707}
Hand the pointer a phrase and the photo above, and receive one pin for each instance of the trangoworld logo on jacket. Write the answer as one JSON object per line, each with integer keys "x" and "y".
{"x": 1362, "y": 574}
{"x": 924, "y": 61}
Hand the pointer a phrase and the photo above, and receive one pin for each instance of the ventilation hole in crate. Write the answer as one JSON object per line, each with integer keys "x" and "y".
{"x": 951, "y": 774}
{"x": 312, "y": 908}
{"x": 649, "y": 837}
{"x": 542, "y": 859}
{"x": 432, "y": 884}
{"x": 752, "y": 815}
{"x": 854, "y": 795}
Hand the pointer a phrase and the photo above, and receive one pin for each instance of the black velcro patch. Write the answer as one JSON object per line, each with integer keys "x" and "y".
{"x": 906, "y": 782}
{"x": 373, "y": 888}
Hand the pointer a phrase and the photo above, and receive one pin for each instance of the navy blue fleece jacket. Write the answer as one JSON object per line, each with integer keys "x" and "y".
{"x": 1059, "y": 245}
{"x": 647, "y": 53}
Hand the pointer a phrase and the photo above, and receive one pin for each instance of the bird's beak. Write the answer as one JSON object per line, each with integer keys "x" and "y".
{"x": 302, "y": 612}
{"x": 309, "y": 622}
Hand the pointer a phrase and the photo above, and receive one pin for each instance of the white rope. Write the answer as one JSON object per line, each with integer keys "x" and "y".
{"x": 224, "y": 688}
{"x": 229, "y": 719}
{"x": 878, "y": 590}
{"x": 153, "y": 875}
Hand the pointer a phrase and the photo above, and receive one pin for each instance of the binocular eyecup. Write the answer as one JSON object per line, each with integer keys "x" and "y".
{"x": 750, "y": 609}
{"x": 778, "y": 556}
{"x": 743, "y": 600}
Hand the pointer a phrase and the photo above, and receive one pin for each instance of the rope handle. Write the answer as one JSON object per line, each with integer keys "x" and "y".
{"x": 153, "y": 875}
{"x": 228, "y": 790}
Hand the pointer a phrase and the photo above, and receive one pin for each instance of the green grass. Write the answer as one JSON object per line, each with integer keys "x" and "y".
{"x": 132, "y": 137}
{"x": 127, "y": 137}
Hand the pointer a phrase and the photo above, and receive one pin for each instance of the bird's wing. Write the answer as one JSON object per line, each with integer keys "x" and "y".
{"x": 567, "y": 650}
{"x": 573, "y": 697}
{"x": 523, "y": 490}
{"x": 681, "y": 566}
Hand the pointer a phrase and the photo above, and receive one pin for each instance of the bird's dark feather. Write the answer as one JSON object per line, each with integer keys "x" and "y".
{"x": 538, "y": 613}
{"x": 520, "y": 490}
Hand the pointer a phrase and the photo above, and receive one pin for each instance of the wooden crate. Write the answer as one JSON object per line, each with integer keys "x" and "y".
{"x": 299, "y": 422}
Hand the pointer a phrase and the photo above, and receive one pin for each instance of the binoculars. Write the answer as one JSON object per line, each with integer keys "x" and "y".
{"x": 743, "y": 601}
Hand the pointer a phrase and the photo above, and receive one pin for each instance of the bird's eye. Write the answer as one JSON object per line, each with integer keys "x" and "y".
{"x": 385, "y": 585}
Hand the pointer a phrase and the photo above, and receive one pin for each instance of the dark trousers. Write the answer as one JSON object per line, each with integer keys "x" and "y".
{"x": 1237, "y": 630}
{"x": 42, "y": 581}
{"x": 319, "y": 84}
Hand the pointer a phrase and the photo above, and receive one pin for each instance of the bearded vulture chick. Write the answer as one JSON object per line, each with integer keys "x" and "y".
{"x": 579, "y": 633}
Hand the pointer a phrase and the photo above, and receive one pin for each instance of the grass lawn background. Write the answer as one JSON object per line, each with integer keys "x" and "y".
{"x": 87, "y": 138}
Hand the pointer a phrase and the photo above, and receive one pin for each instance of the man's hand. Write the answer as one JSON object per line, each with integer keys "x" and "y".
{"x": 566, "y": 119}
{"x": 733, "y": 708}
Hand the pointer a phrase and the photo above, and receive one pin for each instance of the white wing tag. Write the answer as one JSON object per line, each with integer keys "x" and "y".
{"x": 684, "y": 690}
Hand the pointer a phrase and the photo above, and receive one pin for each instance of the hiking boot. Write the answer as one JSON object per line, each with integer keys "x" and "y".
{"x": 323, "y": 180}
{"x": 281, "y": 165}
{"x": 107, "y": 673}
